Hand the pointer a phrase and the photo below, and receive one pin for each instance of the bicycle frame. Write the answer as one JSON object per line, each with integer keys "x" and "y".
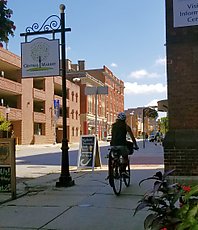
{"x": 115, "y": 170}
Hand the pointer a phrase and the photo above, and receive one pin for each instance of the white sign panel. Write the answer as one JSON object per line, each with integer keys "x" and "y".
{"x": 185, "y": 13}
{"x": 40, "y": 58}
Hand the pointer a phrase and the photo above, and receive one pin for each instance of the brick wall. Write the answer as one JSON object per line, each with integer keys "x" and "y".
{"x": 181, "y": 142}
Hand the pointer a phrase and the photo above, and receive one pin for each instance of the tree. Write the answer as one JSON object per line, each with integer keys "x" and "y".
{"x": 4, "y": 124}
{"x": 151, "y": 113}
{"x": 7, "y": 26}
{"x": 163, "y": 124}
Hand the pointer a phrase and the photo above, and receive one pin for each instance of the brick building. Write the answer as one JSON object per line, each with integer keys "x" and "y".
{"x": 134, "y": 118}
{"x": 107, "y": 105}
{"x": 181, "y": 142}
{"x": 114, "y": 101}
{"x": 31, "y": 104}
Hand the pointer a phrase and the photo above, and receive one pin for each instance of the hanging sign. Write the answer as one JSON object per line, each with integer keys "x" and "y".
{"x": 89, "y": 154}
{"x": 40, "y": 58}
{"x": 185, "y": 13}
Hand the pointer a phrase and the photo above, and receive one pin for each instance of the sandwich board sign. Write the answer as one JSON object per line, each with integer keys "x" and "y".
{"x": 7, "y": 166}
{"x": 89, "y": 153}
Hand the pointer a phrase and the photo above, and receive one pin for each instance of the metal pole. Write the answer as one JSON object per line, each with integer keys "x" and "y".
{"x": 65, "y": 179}
{"x": 96, "y": 111}
{"x": 143, "y": 128}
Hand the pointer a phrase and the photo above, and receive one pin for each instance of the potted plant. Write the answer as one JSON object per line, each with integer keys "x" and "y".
{"x": 172, "y": 206}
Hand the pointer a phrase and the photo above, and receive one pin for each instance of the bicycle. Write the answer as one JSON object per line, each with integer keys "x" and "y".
{"x": 116, "y": 173}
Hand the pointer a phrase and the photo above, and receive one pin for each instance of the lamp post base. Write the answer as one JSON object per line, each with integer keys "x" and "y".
{"x": 65, "y": 182}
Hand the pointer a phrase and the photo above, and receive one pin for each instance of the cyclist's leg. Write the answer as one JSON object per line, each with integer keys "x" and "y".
{"x": 124, "y": 163}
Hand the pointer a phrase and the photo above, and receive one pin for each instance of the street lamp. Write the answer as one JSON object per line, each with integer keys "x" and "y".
{"x": 58, "y": 26}
{"x": 65, "y": 179}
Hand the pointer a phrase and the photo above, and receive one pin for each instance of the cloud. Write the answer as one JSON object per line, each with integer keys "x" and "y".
{"x": 135, "y": 88}
{"x": 114, "y": 65}
{"x": 139, "y": 74}
{"x": 160, "y": 61}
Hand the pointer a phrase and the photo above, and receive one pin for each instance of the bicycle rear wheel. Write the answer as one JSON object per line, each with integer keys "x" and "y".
{"x": 117, "y": 179}
{"x": 126, "y": 178}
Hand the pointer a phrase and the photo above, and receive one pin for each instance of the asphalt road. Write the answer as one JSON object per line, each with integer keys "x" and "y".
{"x": 35, "y": 161}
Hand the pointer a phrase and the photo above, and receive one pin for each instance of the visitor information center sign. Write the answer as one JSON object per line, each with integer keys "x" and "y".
{"x": 40, "y": 58}
{"x": 185, "y": 13}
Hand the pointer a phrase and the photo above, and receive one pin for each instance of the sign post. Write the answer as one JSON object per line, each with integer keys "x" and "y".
{"x": 57, "y": 25}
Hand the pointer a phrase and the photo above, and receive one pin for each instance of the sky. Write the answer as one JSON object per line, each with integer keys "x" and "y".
{"x": 127, "y": 36}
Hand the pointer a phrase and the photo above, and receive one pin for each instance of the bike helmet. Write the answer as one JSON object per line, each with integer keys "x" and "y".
{"x": 121, "y": 116}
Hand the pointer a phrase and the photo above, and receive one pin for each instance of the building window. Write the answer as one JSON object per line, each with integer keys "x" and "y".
{"x": 72, "y": 114}
{"x": 39, "y": 129}
{"x": 76, "y": 97}
{"x": 72, "y": 131}
{"x": 76, "y": 115}
{"x": 76, "y": 132}
{"x": 72, "y": 95}
{"x": 67, "y": 93}
{"x": 67, "y": 112}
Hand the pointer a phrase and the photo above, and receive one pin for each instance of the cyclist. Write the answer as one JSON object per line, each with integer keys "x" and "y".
{"x": 119, "y": 132}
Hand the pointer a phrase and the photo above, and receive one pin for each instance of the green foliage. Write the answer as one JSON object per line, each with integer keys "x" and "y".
{"x": 152, "y": 113}
{"x": 4, "y": 125}
{"x": 172, "y": 206}
{"x": 164, "y": 124}
{"x": 7, "y": 26}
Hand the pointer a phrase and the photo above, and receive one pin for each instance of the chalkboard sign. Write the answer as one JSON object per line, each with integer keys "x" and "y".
{"x": 7, "y": 166}
{"x": 5, "y": 178}
{"x": 88, "y": 152}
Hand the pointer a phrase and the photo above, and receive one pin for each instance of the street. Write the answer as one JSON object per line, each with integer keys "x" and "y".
{"x": 91, "y": 201}
{"x": 35, "y": 161}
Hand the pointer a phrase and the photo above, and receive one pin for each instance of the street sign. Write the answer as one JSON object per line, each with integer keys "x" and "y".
{"x": 56, "y": 108}
{"x": 40, "y": 58}
{"x": 185, "y": 13}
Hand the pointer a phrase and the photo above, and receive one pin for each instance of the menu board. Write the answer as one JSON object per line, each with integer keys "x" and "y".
{"x": 5, "y": 179}
{"x": 88, "y": 152}
{"x": 7, "y": 166}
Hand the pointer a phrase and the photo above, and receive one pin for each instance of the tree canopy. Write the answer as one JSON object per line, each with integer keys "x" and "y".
{"x": 7, "y": 26}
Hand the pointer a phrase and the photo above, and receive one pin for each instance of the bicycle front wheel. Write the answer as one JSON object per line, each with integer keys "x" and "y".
{"x": 117, "y": 179}
{"x": 126, "y": 177}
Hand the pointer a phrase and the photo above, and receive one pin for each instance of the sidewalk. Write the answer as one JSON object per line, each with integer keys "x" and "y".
{"x": 89, "y": 204}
